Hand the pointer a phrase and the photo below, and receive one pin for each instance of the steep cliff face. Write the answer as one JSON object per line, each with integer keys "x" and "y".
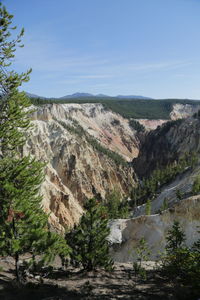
{"x": 76, "y": 168}
{"x": 167, "y": 143}
{"x": 181, "y": 111}
{"x": 125, "y": 234}
{"x": 151, "y": 124}
{"x": 167, "y": 195}
{"x": 110, "y": 129}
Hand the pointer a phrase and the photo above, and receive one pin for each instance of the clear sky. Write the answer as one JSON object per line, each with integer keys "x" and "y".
{"x": 137, "y": 47}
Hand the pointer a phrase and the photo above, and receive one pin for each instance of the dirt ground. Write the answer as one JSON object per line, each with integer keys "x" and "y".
{"x": 73, "y": 284}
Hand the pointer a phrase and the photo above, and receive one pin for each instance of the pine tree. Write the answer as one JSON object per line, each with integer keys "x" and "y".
{"x": 179, "y": 194}
{"x": 181, "y": 263}
{"x": 13, "y": 105}
{"x": 113, "y": 200}
{"x": 23, "y": 224}
{"x": 176, "y": 252}
{"x": 148, "y": 207}
{"x": 196, "y": 186}
{"x": 88, "y": 240}
{"x": 165, "y": 204}
{"x": 175, "y": 238}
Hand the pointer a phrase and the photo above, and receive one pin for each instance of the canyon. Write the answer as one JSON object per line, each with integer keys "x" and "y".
{"x": 90, "y": 151}
{"x": 77, "y": 167}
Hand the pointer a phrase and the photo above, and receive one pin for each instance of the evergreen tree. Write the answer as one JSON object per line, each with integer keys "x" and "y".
{"x": 182, "y": 264}
{"x": 88, "y": 240}
{"x": 113, "y": 200}
{"x": 13, "y": 105}
{"x": 148, "y": 207}
{"x": 165, "y": 204}
{"x": 143, "y": 253}
{"x": 196, "y": 186}
{"x": 134, "y": 197}
{"x": 179, "y": 194}
{"x": 23, "y": 224}
{"x": 175, "y": 238}
{"x": 176, "y": 252}
{"x": 116, "y": 206}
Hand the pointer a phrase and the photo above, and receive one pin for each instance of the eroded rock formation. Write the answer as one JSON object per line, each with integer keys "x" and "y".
{"x": 75, "y": 169}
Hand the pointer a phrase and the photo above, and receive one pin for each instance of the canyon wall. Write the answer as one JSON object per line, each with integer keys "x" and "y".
{"x": 166, "y": 144}
{"x": 63, "y": 136}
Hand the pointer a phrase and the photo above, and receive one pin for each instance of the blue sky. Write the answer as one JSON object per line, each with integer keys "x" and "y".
{"x": 137, "y": 47}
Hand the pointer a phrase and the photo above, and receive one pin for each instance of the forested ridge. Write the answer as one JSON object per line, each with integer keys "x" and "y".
{"x": 131, "y": 108}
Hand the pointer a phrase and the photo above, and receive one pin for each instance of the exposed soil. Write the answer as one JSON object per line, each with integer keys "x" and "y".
{"x": 74, "y": 284}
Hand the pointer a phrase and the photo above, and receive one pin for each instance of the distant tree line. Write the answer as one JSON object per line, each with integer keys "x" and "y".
{"x": 128, "y": 108}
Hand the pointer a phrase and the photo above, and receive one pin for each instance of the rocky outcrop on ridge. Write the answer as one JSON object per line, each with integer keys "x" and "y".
{"x": 181, "y": 111}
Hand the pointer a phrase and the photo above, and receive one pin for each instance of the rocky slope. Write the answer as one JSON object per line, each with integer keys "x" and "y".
{"x": 76, "y": 168}
{"x": 126, "y": 233}
{"x": 151, "y": 124}
{"x": 161, "y": 146}
{"x": 110, "y": 129}
{"x": 166, "y": 144}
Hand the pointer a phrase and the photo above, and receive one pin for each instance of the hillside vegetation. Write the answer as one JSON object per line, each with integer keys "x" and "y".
{"x": 128, "y": 108}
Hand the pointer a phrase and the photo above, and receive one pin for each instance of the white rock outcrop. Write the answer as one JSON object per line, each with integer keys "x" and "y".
{"x": 181, "y": 111}
{"x": 126, "y": 233}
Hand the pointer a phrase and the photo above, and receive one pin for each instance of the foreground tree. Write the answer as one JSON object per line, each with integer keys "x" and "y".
{"x": 181, "y": 263}
{"x": 88, "y": 240}
{"x": 176, "y": 251}
{"x": 23, "y": 224}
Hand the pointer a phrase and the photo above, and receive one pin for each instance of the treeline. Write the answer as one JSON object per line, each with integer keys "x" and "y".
{"x": 78, "y": 130}
{"x": 128, "y": 108}
{"x": 148, "y": 188}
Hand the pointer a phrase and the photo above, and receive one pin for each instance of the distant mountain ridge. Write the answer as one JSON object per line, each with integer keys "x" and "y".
{"x": 83, "y": 95}
{"x": 34, "y": 96}
{"x": 88, "y": 95}
{"x": 133, "y": 97}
